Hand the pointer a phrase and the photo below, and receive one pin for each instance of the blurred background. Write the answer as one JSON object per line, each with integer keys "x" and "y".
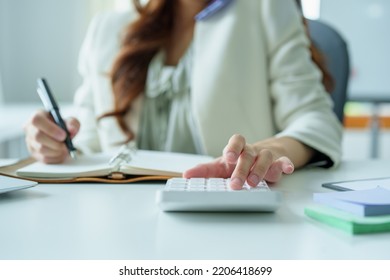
{"x": 43, "y": 38}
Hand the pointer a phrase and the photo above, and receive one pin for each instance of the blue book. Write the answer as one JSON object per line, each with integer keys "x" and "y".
{"x": 371, "y": 202}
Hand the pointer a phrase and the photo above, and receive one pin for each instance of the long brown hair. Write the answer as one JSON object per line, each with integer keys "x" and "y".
{"x": 317, "y": 57}
{"x": 142, "y": 40}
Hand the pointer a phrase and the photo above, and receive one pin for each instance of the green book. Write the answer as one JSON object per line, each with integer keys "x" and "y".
{"x": 348, "y": 222}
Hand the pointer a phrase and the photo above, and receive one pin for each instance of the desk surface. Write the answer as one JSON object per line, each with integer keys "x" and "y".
{"x": 90, "y": 221}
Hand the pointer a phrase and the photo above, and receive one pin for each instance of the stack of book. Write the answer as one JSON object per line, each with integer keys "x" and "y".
{"x": 357, "y": 211}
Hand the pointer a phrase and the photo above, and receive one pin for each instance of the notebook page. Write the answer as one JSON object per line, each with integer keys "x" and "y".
{"x": 84, "y": 165}
{"x": 5, "y": 162}
{"x": 162, "y": 163}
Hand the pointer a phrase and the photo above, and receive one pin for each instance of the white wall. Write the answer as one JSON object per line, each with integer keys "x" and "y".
{"x": 2, "y": 30}
{"x": 40, "y": 38}
{"x": 365, "y": 24}
{"x": 43, "y": 37}
{"x": 1, "y": 89}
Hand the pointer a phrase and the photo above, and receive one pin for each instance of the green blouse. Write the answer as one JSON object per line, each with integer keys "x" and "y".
{"x": 166, "y": 122}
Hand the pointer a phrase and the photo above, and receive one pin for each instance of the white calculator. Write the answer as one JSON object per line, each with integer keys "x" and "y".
{"x": 215, "y": 195}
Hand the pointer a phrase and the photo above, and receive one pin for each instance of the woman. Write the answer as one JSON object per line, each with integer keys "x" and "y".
{"x": 189, "y": 76}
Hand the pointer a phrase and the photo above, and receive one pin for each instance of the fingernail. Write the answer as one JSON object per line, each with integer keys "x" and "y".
{"x": 253, "y": 180}
{"x": 60, "y": 135}
{"x": 236, "y": 183}
{"x": 71, "y": 126}
{"x": 289, "y": 169}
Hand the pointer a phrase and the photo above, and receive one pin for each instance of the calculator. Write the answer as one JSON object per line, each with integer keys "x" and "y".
{"x": 215, "y": 195}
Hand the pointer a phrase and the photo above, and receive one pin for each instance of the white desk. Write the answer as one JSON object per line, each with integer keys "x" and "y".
{"x": 89, "y": 221}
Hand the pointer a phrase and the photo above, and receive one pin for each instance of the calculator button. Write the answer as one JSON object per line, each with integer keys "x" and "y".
{"x": 197, "y": 187}
{"x": 197, "y": 181}
{"x": 177, "y": 180}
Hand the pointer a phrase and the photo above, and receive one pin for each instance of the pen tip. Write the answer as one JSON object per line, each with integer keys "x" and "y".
{"x": 73, "y": 154}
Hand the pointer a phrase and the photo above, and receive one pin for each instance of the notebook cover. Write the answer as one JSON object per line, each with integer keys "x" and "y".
{"x": 119, "y": 179}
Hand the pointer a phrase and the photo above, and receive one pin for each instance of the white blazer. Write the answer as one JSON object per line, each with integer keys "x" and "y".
{"x": 252, "y": 74}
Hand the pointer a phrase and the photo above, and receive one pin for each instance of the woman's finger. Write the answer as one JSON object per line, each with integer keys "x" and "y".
{"x": 233, "y": 149}
{"x": 217, "y": 168}
{"x": 43, "y": 122}
{"x": 260, "y": 167}
{"x": 281, "y": 166}
{"x": 73, "y": 126}
{"x": 243, "y": 167}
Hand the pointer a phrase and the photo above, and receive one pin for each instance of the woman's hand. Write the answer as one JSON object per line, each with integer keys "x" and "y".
{"x": 242, "y": 162}
{"x": 45, "y": 139}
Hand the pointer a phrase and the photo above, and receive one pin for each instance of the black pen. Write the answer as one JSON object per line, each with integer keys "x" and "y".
{"x": 52, "y": 107}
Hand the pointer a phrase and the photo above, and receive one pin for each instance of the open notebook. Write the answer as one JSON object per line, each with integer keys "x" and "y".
{"x": 126, "y": 166}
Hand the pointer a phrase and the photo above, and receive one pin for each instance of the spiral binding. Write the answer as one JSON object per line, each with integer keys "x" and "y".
{"x": 125, "y": 154}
